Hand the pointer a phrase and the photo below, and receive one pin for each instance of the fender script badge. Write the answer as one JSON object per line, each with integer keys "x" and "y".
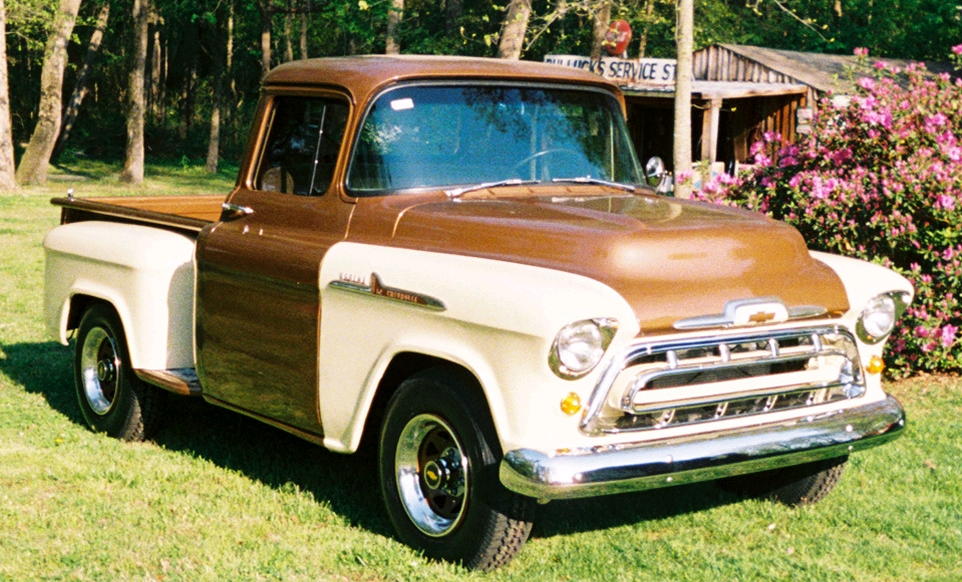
{"x": 376, "y": 288}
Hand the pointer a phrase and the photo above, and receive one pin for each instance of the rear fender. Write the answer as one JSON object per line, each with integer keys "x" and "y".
{"x": 146, "y": 274}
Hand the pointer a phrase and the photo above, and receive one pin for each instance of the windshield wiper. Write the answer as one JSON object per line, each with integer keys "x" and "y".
{"x": 599, "y": 181}
{"x": 456, "y": 192}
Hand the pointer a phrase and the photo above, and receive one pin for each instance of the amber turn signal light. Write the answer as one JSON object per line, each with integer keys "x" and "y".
{"x": 875, "y": 365}
{"x": 571, "y": 404}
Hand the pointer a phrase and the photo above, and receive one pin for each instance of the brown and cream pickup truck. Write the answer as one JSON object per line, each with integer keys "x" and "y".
{"x": 462, "y": 262}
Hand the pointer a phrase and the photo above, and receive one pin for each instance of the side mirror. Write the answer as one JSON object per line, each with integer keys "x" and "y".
{"x": 654, "y": 170}
{"x": 657, "y": 176}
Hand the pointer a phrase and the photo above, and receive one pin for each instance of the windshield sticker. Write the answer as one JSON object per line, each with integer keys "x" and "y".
{"x": 402, "y": 104}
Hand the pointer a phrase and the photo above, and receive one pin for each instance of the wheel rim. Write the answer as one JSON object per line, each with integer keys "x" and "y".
{"x": 99, "y": 370}
{"x": 432, "y": 475}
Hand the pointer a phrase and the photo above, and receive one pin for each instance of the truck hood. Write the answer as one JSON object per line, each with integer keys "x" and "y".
{"x": 669, "y": 259}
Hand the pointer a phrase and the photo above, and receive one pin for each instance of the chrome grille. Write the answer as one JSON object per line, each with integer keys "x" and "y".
{"x": 706, "y": 379}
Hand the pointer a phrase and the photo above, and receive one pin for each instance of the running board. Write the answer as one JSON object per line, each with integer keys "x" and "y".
{"x": 181, "y": 381}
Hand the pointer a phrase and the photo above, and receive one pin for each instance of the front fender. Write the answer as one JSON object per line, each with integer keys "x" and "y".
{"x": 496, "y": 319}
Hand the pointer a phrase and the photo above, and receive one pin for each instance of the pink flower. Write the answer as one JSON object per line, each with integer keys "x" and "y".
{"x": 866, "y": 83}
{"x": 861, "y": 51}
{"x": 948, "y": 334}
{"x": 956, "y": 50}
{"x": 946, "y": 202}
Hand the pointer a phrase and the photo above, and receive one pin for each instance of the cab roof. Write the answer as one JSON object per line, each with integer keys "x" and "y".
{"x": 362, "y": 75}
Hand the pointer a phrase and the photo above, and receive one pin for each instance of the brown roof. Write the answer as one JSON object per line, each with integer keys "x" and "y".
{"x": 824, "y": 72}
{"x": 362, "y": 75}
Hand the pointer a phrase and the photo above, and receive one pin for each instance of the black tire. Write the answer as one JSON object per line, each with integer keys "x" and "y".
{"x": 111, "y": 397}
{"x": 797, "y": 485}
{"x": 438, "y": 466}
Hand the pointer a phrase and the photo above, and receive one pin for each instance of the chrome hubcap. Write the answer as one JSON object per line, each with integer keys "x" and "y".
{"x": 98, "y": 370}
{"x": 432, "y": 475}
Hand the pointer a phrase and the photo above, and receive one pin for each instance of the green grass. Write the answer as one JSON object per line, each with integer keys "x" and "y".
{"x": 217, "y": 496}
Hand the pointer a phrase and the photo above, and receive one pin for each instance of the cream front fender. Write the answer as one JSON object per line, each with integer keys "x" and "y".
{"x": 145, "y": 273}
{"x": 496, "y": 319}
{"x": 863, "y": 281}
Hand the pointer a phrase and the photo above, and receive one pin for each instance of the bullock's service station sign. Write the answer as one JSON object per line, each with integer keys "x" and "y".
{"x": 624, "y": 72}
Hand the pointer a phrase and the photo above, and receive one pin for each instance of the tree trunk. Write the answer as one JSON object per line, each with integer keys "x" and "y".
{"x": 156, "y": 94}
{"x": 602, "y": 19}
{"x": 288, "y": 37}
{"x": 83, "y": 77}
{"x": 394, "y": 14}
{"x": 513, "y": 29}
{"x": 265, "y": 37}
{"x": 33, "y": 164}
{"x": 646, "y": 28}
{"x": 7, "y": 175}
{"x": 133, "y": 171}
{"x": 219, "y": 66}
{"x": 453, "y": 10}
{"x": 303, "y": 37}
{"x": 684, "y": 41}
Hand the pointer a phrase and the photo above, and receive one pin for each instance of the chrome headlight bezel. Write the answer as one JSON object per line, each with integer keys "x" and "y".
{"x": 879, "y": 315}
{"x": 579, "y": 347}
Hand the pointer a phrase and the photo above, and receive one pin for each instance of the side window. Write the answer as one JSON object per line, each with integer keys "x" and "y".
{"x": 302, "y": 145}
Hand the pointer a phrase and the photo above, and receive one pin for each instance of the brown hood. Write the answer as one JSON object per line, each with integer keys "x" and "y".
{"x": 670, "y": 259}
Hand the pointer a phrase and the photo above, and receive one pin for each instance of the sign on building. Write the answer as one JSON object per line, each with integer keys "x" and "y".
{"x": 624, "y": 72}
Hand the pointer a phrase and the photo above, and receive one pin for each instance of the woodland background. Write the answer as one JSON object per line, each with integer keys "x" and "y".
{"x": 201, "y": 61}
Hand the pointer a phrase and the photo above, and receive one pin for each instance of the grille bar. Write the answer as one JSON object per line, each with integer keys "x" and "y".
{"x": 702, "y": 379}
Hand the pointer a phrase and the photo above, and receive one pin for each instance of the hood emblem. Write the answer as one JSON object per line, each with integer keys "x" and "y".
{"x": 754, "y": 311}
{"x": 761, "y": 317}
{"x": 375, "y": 288}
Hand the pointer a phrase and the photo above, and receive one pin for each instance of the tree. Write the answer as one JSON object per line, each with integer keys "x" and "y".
{"x": 601, "y": 19}
{"x": 33, "y": 164}
{"x": 81, "y": 85}
{"x": 684, "y": 40}
{"x": 267, "y": 14}
{"x": 7, "y": 177}
{"x": 133, "y": 171}
{"x": 513, "y": 29}
{"x": 395, "y": 13}
{"x": 218, "y": 67}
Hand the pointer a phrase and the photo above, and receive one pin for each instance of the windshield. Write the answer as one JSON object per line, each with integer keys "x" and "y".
{"x": 443, "y": 136}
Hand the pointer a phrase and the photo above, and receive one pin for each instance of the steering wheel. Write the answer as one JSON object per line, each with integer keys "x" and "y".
{"x": 575, "y": 156}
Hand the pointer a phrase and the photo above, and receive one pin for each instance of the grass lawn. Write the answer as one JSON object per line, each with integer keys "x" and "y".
{"x": 216, "y": 496}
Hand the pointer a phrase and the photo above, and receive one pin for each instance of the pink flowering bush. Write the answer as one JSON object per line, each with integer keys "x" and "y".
{"x": 879, "y": 178}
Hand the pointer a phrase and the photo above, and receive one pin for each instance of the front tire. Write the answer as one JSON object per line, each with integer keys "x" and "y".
{"x": 798, "y": 485}
{"x": 112, "y": 399}
{"x": 438, "y": 465}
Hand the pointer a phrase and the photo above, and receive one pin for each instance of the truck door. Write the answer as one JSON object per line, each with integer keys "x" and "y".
{"x": 258, "y": 304}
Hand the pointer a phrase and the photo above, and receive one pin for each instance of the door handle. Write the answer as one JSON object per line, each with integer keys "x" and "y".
{"x": 232, "y": 211}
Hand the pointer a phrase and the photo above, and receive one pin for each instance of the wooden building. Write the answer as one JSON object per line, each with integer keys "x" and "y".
{"x": 739, "y": 93}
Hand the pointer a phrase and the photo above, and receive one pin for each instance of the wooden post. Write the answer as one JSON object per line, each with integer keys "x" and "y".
{"x": 684, "y": 39}
{"x": 709, "y": 131}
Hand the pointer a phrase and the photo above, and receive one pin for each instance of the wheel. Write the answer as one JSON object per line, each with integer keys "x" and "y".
{"x": 112, "y": 399}
{"x": 798, "y": 485}
{"x": 438, "y": 465}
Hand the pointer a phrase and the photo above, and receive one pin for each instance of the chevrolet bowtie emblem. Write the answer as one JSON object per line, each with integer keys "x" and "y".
{"x": 761, "y": 317}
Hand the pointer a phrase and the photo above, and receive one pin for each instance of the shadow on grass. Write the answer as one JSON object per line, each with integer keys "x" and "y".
{"x": 346, "y": 483}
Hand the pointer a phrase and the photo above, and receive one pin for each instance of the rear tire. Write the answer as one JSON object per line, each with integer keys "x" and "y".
{"x": 438, "y": 465}
{"x": 798, "y": 485}
{"x": 111, "y": 397}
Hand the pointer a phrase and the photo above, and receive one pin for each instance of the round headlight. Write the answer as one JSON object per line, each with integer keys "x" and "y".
{"x": 877, "y": 319}
{"x": 579, "y": 347}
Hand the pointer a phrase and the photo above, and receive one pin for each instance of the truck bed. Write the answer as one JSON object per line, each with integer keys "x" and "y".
{"x": 185, "y": 213}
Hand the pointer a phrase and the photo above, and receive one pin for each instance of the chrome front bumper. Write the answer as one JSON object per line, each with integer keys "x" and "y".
{"x": 703, "y": 457}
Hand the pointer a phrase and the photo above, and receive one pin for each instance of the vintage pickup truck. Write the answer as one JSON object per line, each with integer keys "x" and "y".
{"x": 460, "y": 261}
